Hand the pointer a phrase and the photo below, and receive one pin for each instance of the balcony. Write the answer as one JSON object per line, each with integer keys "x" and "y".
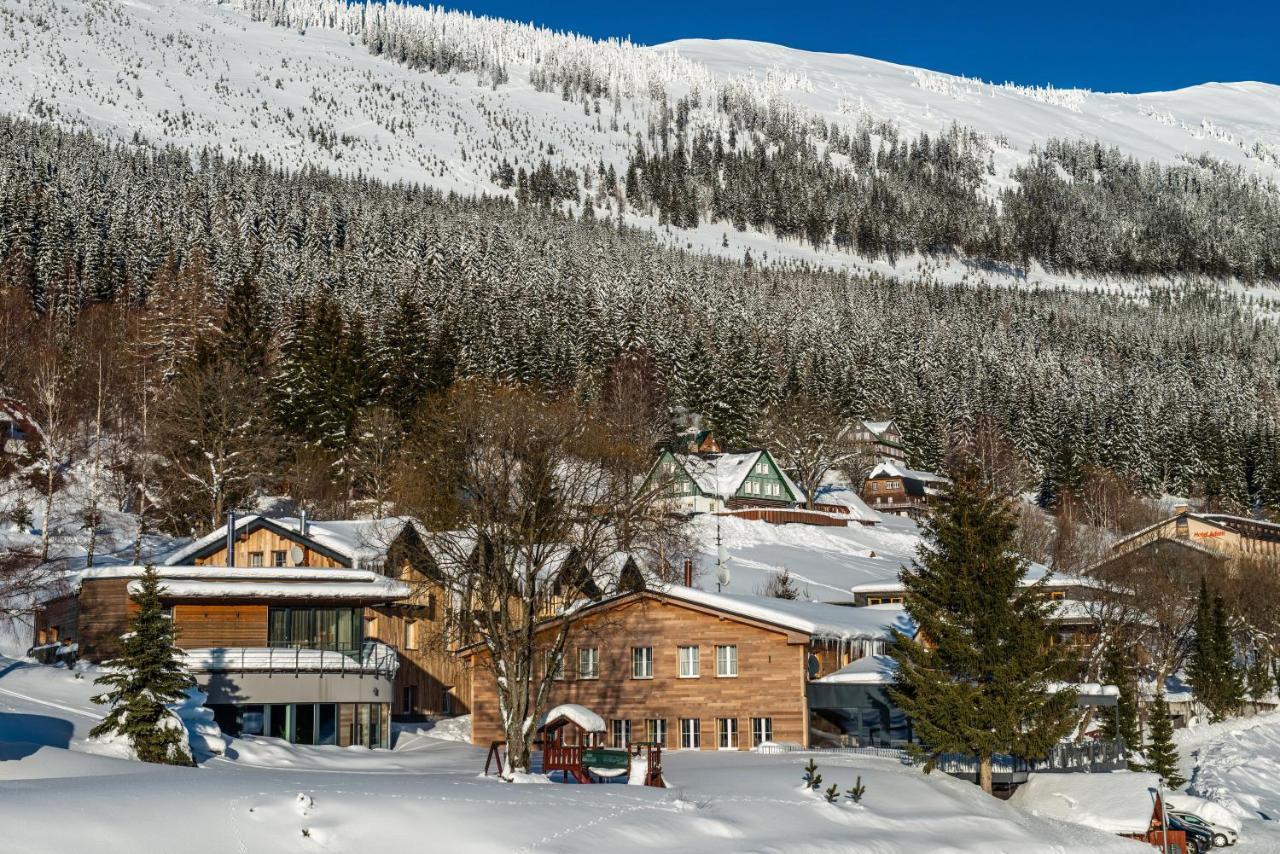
{"x": 372, "y": 659}
{"x": 239, "y": 675}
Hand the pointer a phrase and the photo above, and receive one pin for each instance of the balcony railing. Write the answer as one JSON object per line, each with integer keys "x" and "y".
{"x": 373, "y": 659}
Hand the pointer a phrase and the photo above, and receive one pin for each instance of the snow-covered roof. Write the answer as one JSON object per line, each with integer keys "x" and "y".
{"x": 361, "y": 542}
{"x": 722, "y": 475}
{"x": 580, "y": 715}
{"x": 816, "y": 619}
{"x": 836, "y": 492}
{"x": 877, "y": 427}
{"x": 1118, "y": 802}
{"x": 892, "y": 468}
{"x": 868, "y": 670}
{"x": 377, "y": 588}
{"x": 1220, "y": 520}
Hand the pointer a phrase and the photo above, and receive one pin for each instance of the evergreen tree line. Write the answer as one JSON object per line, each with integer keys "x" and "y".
{"x": 1077, "y": 207}
{"x": 326, "y": 296}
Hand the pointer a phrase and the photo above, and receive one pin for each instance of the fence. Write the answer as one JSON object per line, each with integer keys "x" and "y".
{"x": 374, "y": 659}
{"x": 1091, "y": 756}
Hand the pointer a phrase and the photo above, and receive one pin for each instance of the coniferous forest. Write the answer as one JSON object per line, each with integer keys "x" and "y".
{"x": 321, "y": 299}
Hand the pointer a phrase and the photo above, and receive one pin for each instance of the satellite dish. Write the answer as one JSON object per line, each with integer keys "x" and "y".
{"x": 295, "y": 555}
{"x": 722, "y": 576}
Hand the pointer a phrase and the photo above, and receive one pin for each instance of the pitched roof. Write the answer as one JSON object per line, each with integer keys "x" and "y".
{"x": 356, "y": 542}
{"x": 891, "y": 468}
{"x": 722, "y": 475}
{"x": 1242, "y": 525}
{"x": 816, "y": 619}
{"x": 877, "y": 427}
{"x": 217, "y": 582}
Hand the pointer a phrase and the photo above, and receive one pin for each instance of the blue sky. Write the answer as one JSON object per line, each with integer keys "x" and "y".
{"x": 1116, "y": 46}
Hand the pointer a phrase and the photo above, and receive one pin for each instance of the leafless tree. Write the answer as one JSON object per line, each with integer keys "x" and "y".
{"x": 514, "y": 487}
{"x": 809, "y": 440}
{"x": 375, "y": 455}
{"x": 980, "y": 443}
{"x": 210, "y": 444}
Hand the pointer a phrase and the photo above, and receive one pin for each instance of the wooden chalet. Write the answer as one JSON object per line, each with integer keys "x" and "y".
{"x": 893, "y": 489}
{"x": 690, "y": 669}
{"x": 881, "y": 440}
{"x": 344, "y": 608}
{"x": 714, "y": 482}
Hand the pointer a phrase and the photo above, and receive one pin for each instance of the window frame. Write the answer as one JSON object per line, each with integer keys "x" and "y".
{"x": 695, "y": 661}
{"x": 593, "y": 654}
{"x": 690, "y": 727}
{"x": 655, "y": 731}
{"x": 733, "y": 658}
{"x": 761, "y": 730}
{"x": 641, "y": 654}
{"x": 617, "y": 727}
{"x": 727, "y": 730}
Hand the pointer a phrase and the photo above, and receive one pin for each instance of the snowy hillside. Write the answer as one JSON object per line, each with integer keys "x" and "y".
{"x": 310, "y": 92}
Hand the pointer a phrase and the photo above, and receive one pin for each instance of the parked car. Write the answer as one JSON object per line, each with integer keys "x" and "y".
{"x": 1222, "y": 835}
{"x": 1199, "y": 838}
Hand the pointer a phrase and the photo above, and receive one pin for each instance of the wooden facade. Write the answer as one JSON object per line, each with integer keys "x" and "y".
{"x": 261, "y": 544}
{"x": 770, "y": 682}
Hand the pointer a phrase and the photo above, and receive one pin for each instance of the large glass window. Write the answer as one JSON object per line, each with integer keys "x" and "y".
{"x": 655, "y": 730}
{"x": 761, "y": 730}
{"x": 727, "y": 733}
{"x": 726, "y": 661}
{"x": 340, "y": 629}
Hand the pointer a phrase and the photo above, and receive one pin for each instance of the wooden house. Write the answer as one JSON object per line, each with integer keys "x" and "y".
{"x": 280, "y": 651}
{"x": 711, "y": 483}
{"x": 881, "y": 440}
{"x": 899, "y": 491}
{"x": 690, "y": 669}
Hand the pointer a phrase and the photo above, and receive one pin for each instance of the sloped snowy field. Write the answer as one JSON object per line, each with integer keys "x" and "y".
{"x": 426, "y": 795}
{"x": 1236, "y": 764}
{"x": 200, "y": 73}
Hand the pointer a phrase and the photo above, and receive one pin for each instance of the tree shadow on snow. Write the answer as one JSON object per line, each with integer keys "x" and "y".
{"x": 22, "y": 735}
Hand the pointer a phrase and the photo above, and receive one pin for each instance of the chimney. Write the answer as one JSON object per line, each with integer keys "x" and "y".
{"x": 688, "y": 572}
{"x": 231, "y": 538}
{"x": 302, "y": 522}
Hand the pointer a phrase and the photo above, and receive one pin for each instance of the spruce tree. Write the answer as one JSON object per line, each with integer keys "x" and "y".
{"x": 1121, "y": 722}
{"x": 1259, "y": 677}
{"x": 1202, "y": 665}
{"x": 1162, "y": 755}
{"x": 974, "y": 679}
{"x": 1230, "y": 691}
{"x": 147, "y": 676}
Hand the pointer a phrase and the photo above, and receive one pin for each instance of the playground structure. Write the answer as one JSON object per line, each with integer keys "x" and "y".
{"x": 570, "y": 736}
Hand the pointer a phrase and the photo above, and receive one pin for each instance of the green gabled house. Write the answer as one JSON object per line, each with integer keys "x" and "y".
{"x": 709, "y": 483}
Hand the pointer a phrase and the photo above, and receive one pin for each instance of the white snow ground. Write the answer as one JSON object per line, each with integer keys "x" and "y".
{"x": 267, "y": 796}
{"x": 200, "y": 73}
{"x": 1236, "y": 764}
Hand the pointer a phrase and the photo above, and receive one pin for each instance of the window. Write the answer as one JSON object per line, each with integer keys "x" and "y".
{"x": 762, "y": 467}
{"x": 340, "y": 629}
{"x": 621, "y": 733}
{"x": 1057, "y": 594}
{"x": 775, "y": 489}
{"x": 279, "y": 558}
{"x": 690, "y": 734}
{"x": 555, "y": 664}
{"x": 655, "y": 731}
{"x": 255, "y": 558}
{"x": 589, "y": 663}
{"x": 761, "y": 731}
{"x": 688, "y": 662}
{"x": 407, "y": 702}
{"x": 410, "y": 634}
{"x": 875, "y": 486}
{"x": 727, "y": 733}
{"x": 726, "y": 661}
{"x": 642, "y": 662}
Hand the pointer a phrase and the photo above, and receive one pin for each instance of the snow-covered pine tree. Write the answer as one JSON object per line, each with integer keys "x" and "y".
{"x": 975, "y": 678}
{"x": 146, "y": 677}
{"x": 1162, "y": 754}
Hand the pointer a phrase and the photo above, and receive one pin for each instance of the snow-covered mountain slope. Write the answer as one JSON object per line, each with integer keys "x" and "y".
{"x": 207, "y": 73}
{"x": 1235, "y": 122}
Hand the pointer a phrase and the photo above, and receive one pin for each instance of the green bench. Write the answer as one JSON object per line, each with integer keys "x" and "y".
{"x": 606, "y": 758}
